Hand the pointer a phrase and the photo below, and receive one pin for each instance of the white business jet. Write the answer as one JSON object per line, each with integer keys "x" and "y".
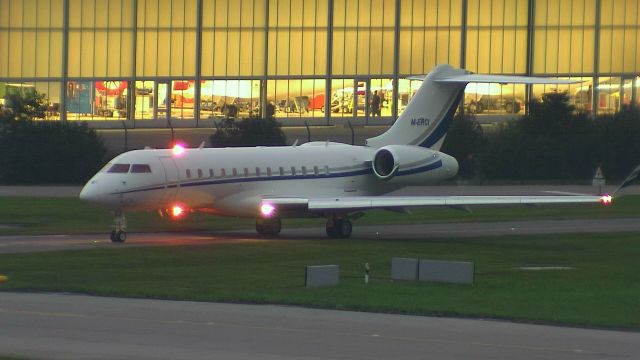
{"x": 324, "y": 179}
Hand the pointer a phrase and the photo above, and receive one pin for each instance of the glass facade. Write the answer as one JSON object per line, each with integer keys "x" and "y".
{"x": 318, "y": 62}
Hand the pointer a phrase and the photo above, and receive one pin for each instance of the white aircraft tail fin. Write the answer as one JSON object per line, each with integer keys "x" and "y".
{"x": 425, "y": 121}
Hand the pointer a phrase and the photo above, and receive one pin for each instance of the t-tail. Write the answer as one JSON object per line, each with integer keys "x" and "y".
{"x": 426, "y": 120}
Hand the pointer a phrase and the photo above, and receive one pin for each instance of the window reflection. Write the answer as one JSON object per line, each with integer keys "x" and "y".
{"x": 494, "y": 99}
{"x": 97, "y": 100}
{"x": 42, "y": 97}
{"x": 580, "y": 93}
{"x": 297, "y": 98}
{"x": 144, "y": 99}
{"x": 229, "y": 98}
{"x": 637, "y": 90}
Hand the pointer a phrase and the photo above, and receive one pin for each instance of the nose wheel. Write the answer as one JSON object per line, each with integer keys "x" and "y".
{"x": 119, "y": 232}
{"x": 339, "y": 228}
{"x": 268, "y": 226}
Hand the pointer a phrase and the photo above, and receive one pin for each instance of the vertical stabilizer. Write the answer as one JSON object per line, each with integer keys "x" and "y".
{"x": 426, "y": 119}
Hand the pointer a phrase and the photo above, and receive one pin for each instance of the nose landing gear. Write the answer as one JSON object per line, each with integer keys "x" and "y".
{"x": 268, "y": 226}
{"x": 119, "y": 233}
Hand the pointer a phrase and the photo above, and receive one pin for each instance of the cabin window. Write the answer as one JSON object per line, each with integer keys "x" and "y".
{"x": 140, "y": 168}
{"x": 188, "y": 173}
{"x": 268, "y": 171}
{"x": 293, "y": 170}
{"x": 119, "y": 168}
{"x": 257, "y": 171}
{"x": 281, "y": 171}
{"x": 246, "y": 172}
{"x": 223, "y": 172}
{"x": 199, "y": 173}
{"x": 315, "y": 170}
{"x": 304, "y": 170}
{"x": 210, "y": 172}
{"x": 235, "y": 172}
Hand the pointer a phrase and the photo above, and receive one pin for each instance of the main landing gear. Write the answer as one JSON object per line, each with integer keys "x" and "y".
{"x": 339, "y": 228}
{"x": 268, "y": 226}
{"x": 119, "y": 232}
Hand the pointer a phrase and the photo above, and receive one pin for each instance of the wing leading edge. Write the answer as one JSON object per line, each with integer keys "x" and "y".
{"x": 393, "y": 202}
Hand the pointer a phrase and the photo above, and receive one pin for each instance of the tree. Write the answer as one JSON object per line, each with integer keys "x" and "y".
{"x": 465, "y": 141}
{"x": 551, "y": 142}
{"x": 49, "y": 152}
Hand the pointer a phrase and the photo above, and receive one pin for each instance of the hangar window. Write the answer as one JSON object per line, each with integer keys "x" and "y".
{"x": 119, "y": 168}
{"x": 140, "y": 168}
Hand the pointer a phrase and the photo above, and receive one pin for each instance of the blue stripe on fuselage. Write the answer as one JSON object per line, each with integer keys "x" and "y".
{"x": 365, "y": 171}
{"x": 443, "y": 126}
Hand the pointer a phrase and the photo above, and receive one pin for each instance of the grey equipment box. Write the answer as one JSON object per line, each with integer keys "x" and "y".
{"x": 321, "y": 275}
{"x": 404, "y": 269}
{"x": 446, "y": 271}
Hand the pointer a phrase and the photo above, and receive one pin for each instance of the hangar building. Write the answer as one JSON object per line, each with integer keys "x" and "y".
{"x": 314, "y": 61}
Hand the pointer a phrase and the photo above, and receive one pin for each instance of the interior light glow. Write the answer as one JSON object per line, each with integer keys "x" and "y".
{"x": 178, "y": 150}
{"x": 606, "y": 199}
{"x": 267, "y": 209}
{"x": 177, "y": 211}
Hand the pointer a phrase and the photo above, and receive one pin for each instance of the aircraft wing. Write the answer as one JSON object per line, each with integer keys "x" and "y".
{"x": 358, "y": 203}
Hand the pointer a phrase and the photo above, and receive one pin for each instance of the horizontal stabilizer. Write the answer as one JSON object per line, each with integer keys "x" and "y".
{"x": 504, "y": 79}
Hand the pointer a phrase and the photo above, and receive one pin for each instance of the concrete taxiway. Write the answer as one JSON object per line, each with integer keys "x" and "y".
{"x": 59, "y": 326}
{"x": 20, "y": 243}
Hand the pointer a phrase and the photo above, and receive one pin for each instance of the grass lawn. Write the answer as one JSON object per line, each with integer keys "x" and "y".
{"x": 601, "y": 290}
{"x": 36, "y": 215}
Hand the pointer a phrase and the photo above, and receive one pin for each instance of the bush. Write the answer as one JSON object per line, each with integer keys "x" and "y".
{"x": 465, "y": 141}
{"x": 248, "y": 132}
{"x": 551, "y": 142}
{"x": 48, "y": 152}
{"x": 619, "y": 142}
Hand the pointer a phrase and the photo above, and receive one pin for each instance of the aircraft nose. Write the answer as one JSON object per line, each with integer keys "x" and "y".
{"x": 89, "y": 193}
{"x": 95, "y": 194}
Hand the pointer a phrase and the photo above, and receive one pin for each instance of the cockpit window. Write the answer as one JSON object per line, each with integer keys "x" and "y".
{"x": 119, "y": 168}
{"x": 140, "y": 168}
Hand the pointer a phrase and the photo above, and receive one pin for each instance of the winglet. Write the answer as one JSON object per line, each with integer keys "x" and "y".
{"x": 630, "y": 180}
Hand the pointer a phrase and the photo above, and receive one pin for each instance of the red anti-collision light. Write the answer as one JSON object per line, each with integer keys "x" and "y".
{"x": 177, "y": 150}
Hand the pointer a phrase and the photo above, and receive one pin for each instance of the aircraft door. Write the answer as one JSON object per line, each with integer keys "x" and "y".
{"x": 171, "y": 179}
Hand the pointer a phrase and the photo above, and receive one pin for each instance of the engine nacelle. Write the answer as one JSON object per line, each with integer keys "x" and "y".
{"x": 411, "y": 164}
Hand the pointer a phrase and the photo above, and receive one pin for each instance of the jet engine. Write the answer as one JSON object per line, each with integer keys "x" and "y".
{"x": 419, "y": 164}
